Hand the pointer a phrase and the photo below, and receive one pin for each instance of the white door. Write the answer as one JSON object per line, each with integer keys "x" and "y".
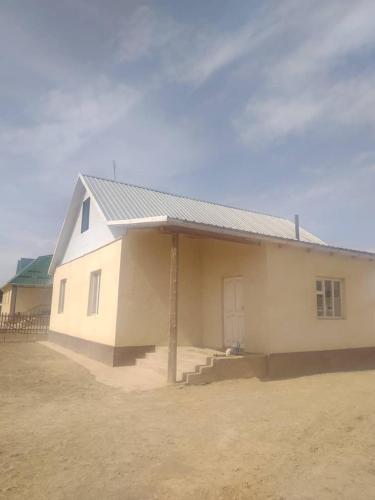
{"x": 233, "y": 312}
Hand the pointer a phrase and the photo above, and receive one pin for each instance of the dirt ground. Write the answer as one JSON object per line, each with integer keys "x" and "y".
{"x": 65, "y": 436}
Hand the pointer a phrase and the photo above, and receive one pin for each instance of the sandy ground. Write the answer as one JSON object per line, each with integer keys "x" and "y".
{"x": 63, "y": 435}
{"x": 126, "y": 378}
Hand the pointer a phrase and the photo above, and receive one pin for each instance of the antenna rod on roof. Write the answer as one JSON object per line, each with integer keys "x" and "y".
{"x": 114, "y": 170}
{"x": 296, "y": 223}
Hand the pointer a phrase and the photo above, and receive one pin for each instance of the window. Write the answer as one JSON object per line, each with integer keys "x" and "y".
{"x": 329, "y": 298}
{"x": 85, "y": 215}
{"x": 60, "y": 308}
{"x": 94, "y": 292}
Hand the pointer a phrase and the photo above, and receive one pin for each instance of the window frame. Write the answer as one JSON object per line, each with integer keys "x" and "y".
{"x": 85, "y": 215}
{"x": 61, "y": 302}
{"x": 94, "y": 293}
{"x": 322, "y": 293}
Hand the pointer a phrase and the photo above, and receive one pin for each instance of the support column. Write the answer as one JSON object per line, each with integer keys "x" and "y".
{"x": 13, "y": 299}
{"x": 173, "y": 302}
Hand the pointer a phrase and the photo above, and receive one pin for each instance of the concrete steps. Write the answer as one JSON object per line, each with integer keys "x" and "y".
{"x": 224, "y": 368}
{"x": 189, "y": 360}
{"x": 197, "y": 365}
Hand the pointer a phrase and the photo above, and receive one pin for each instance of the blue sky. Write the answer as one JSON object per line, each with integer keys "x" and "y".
{"x": 264, "y": 105}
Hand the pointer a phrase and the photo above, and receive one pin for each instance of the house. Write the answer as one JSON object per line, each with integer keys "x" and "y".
{"x": 135, "y": 268}
{"x": 30, "y": 290}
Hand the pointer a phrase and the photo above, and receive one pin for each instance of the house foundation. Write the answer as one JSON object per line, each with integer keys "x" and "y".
{"x": 109, "y": 355}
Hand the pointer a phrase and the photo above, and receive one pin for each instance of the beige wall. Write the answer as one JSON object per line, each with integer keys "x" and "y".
{"x": 279, "y": 294}
{"x": 222, "y": 259}
{"x": 7, "y": 294}
{"x": 293, "y": 324}
{"x": 190, "y": 305}
{"x": 74, "y": 320}
{"x": 143, "y": 293}
{"x": 33, "y": 299}
{"x": 27, "y": 299}
{"x": 144, "y": 289}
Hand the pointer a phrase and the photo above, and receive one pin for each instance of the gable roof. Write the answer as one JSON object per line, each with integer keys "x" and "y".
{"x": 33, "y": 274}
{"x": 123, "y": 206}
{"x": 122, "y": 203}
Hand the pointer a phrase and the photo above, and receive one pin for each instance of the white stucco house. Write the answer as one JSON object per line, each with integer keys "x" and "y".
{"x": 136, "y": 268}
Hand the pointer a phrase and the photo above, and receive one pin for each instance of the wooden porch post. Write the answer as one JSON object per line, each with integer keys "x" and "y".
{"x": 173, "y": 301}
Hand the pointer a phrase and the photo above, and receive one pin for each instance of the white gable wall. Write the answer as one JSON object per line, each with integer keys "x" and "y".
{"x": 97, "y": 235}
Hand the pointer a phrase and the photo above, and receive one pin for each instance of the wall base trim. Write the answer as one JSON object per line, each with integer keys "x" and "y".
{"x": 109, "y": 355}
{"x": 294, "y": 364}
{"x": 278, "y": 365}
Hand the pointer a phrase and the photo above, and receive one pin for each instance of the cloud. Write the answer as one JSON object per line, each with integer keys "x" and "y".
{"x": 276, "y": 117}
{"x": 149, "y": 149}
{"x": 65, "y": 120}
{"x": 311, "y": 81}
{"x": 187, "y": 54}
{"x": 143, "y": 33}
{"x": 211, "y": 52}
{"x": 342, "y": 104}
{"x": 333, "y": 31}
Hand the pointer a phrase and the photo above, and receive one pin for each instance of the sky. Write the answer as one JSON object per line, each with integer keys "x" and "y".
{"x": 264, "y": 105}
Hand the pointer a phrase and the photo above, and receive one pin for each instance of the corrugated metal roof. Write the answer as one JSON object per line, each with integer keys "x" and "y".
{"x": 34, "y": 274}
{"x": 120, "y": 202}
{"x": 22, "y": 263}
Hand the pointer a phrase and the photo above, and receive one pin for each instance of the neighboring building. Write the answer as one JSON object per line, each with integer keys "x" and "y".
{"x": 1, "y": 300}
{"x": 30, "y": 290}
{"x": 243, "y": 277}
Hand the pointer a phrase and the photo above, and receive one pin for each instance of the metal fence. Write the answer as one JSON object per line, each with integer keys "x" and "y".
{"x": 19, "y": 324}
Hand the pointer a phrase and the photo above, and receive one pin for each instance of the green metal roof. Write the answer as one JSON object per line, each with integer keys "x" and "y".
{"x": 34, "y": 274}
{"x": 22, "y": 263}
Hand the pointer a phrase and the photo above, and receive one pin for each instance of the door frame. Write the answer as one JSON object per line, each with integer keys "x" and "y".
{"x": 223, "y": 278}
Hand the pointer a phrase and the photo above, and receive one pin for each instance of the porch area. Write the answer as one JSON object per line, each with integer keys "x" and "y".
{"x": 165, "y": 295}
{"x": 181, "y": 289}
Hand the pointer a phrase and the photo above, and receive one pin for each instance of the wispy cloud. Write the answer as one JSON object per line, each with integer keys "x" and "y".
{"x": 265, "y": 120}
{"x": 333, "y": 31}
{"x": 274, "y": 117}
{"x": 144, "y": 32}
{"x": 311, "y": 81}
{"x": 211, "y": 52}
{"x": 64, "y": 121}
{"x": 190, "y": 54}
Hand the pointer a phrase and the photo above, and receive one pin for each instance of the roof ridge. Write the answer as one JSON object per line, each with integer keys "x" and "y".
{"x": 188, "y": 197}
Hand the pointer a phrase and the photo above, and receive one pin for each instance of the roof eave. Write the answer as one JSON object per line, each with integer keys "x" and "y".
{"x": 141, "y": 222}
{"x": 245, "y": 235}
{"x": 31, "y": 285}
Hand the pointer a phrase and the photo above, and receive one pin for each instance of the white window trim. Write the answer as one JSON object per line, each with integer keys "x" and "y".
{"x": 62, "y": 291}
{"x": 94, "y": 295}
{"x": 322, "y": 293}
{"x": 86, "y": 202}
